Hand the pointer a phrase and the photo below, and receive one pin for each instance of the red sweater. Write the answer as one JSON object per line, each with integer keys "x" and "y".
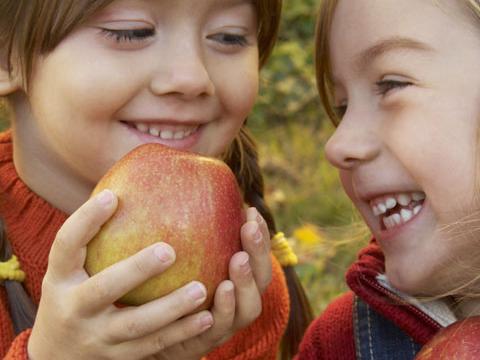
{"x": 331, "y": 335}
{"x": 32, "y": 224}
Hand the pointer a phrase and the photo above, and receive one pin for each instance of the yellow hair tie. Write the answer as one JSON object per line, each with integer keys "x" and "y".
{"x": 282, "y": 250}
{"x": 10, "y": 270}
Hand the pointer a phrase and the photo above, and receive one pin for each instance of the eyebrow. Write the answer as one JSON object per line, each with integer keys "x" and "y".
{"x": 235, "y": 2}
{"x": 384, "y": 46}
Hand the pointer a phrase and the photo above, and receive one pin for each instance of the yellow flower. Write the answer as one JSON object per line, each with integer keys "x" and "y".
{"x": 308, "y": 235}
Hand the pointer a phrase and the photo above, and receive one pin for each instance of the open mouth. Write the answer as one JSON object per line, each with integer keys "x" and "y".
{"x": 164, "y": 132}
{"x": 397, "y": 209}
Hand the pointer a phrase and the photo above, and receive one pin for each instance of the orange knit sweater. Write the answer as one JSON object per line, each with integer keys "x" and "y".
{"x": 31, "y": 227}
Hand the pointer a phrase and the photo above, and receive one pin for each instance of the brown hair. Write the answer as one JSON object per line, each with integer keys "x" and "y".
{"x": 25, "y": 36}
{"x": 21, "y": 307}
{"x": 322, "y": 59}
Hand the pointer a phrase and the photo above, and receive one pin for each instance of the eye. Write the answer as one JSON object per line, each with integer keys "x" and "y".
{"x": 128, "y": 35}
{"x": 229, "y": 39}
{"x": 340, "y": 111}
{"x": 339, "y": 108}
{"x": 385, "y": 86}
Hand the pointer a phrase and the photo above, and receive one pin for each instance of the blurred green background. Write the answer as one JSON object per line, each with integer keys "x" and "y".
{"x": 302, "y": 188}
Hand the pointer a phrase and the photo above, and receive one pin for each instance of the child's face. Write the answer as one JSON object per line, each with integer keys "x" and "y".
{"x": 409, "y": 72}
{"x": 182, "y": 73}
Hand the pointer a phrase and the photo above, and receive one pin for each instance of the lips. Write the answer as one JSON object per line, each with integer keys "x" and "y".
{"x": 397, "y": 209}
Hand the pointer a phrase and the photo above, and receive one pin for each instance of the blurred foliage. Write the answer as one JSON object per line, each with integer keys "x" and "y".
{"x": 301, "y": 187}
{"x": 288, "y": 80}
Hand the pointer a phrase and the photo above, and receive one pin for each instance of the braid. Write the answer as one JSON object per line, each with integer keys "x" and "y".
{"x": 242, "y": 157}
{"x": 22, "y": 309}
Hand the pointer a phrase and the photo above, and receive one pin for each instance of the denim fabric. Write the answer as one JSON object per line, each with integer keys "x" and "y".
{"x": 377, "y": 338}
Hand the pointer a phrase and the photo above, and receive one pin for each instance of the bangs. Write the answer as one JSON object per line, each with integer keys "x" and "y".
{"x": 30, "y": 28}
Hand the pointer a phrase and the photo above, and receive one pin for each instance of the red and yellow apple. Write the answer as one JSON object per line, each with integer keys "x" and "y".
{"x": 189, "y": 201}
{"x": 459, "y": 341}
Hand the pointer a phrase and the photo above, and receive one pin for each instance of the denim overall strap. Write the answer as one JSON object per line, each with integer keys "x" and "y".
{"x": 377, "y": 338}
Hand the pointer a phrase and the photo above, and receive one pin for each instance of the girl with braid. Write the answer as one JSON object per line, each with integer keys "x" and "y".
{"x": 86, "y": 82}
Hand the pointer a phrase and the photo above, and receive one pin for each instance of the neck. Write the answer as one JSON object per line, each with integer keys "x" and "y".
{"x": 467, "y": 307}
{"x": 45, "y": 174}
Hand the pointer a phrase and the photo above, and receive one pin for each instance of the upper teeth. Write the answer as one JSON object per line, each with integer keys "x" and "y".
{"x": 381, "y": 205}
{"x": 166, "y": 134}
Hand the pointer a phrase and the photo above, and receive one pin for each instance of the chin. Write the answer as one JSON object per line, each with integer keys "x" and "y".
{"x": 407, "y": 282}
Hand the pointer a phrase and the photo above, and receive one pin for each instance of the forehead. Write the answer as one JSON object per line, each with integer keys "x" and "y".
{"x": 191, "y": 4}
{"x": 358, "y": 25}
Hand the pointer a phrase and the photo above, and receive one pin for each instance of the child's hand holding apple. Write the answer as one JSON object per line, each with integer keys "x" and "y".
{"x": 78, "y": 309}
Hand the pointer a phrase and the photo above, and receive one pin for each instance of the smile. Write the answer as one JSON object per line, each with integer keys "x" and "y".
{"x": 165, "y": 132}
{"x": 397, "y": 209}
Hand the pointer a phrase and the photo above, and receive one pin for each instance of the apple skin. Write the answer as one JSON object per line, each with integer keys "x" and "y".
{"x": 189, "y": 201}
{"x": 460, "y": 341}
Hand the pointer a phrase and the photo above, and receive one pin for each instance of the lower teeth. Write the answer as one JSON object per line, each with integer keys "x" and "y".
{"x": 406, "y": 213}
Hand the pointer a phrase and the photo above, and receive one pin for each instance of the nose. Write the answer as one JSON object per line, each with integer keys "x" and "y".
{"x": 354, "y": 142}
{"x": 182, "y": 71}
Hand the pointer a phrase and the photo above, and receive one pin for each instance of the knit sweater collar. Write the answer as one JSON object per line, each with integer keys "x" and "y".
{"x": 367, "y": 280}
{"x": 32, "y": 222}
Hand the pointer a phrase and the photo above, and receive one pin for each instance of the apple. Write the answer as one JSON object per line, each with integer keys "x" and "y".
{"x": 189, "y": 201}
{"x": 460, "y": 341}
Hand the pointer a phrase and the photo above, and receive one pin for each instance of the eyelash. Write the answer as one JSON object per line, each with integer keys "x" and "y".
{"x": 230, "y": 39}
{"x": 141, "y": 34}
{"x": 128, "y": 35}
{"x": 384, "y": 86}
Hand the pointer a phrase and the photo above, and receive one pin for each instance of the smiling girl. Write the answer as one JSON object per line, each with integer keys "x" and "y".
{"x": 88, "y": 81}
{"x": 401, "y": 80}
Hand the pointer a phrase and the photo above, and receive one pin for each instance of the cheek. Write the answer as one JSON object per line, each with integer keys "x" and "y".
{"x": 240, "y": 94}
{"x": 236, "y": 84}
{"x": 444, "y": 163}
{"x": 346, "y": 181}
{"x": 92, "y": 89}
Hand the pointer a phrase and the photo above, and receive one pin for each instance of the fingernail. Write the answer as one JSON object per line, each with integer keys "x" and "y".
{"x": 244, "y": 263}
{"x": 255, "y": 232}
{"x": 243, "y": 258}
{"x": 196, "y": 291}
{"x": 163, "y": 253}
{"x": 251, "y": 213}
{"x": 228, "y": 287}
{"x": 105, "y": 197}
{"x": 206, "y": 321}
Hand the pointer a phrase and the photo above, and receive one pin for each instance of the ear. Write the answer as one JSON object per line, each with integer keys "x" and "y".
{"x": 9, "y": 83}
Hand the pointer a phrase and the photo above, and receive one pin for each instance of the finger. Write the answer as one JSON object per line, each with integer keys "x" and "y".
{"x": 110, "y": 284}
{"x": 247, "y": 296}
{"x": 159, "y": 341}
{"x": 223, "y": 312}
{"x": 136, "y": 322}
{"x": 254, "y": 215}
{"x": 68, "y": 250}
{"x": 254, "y": 243}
